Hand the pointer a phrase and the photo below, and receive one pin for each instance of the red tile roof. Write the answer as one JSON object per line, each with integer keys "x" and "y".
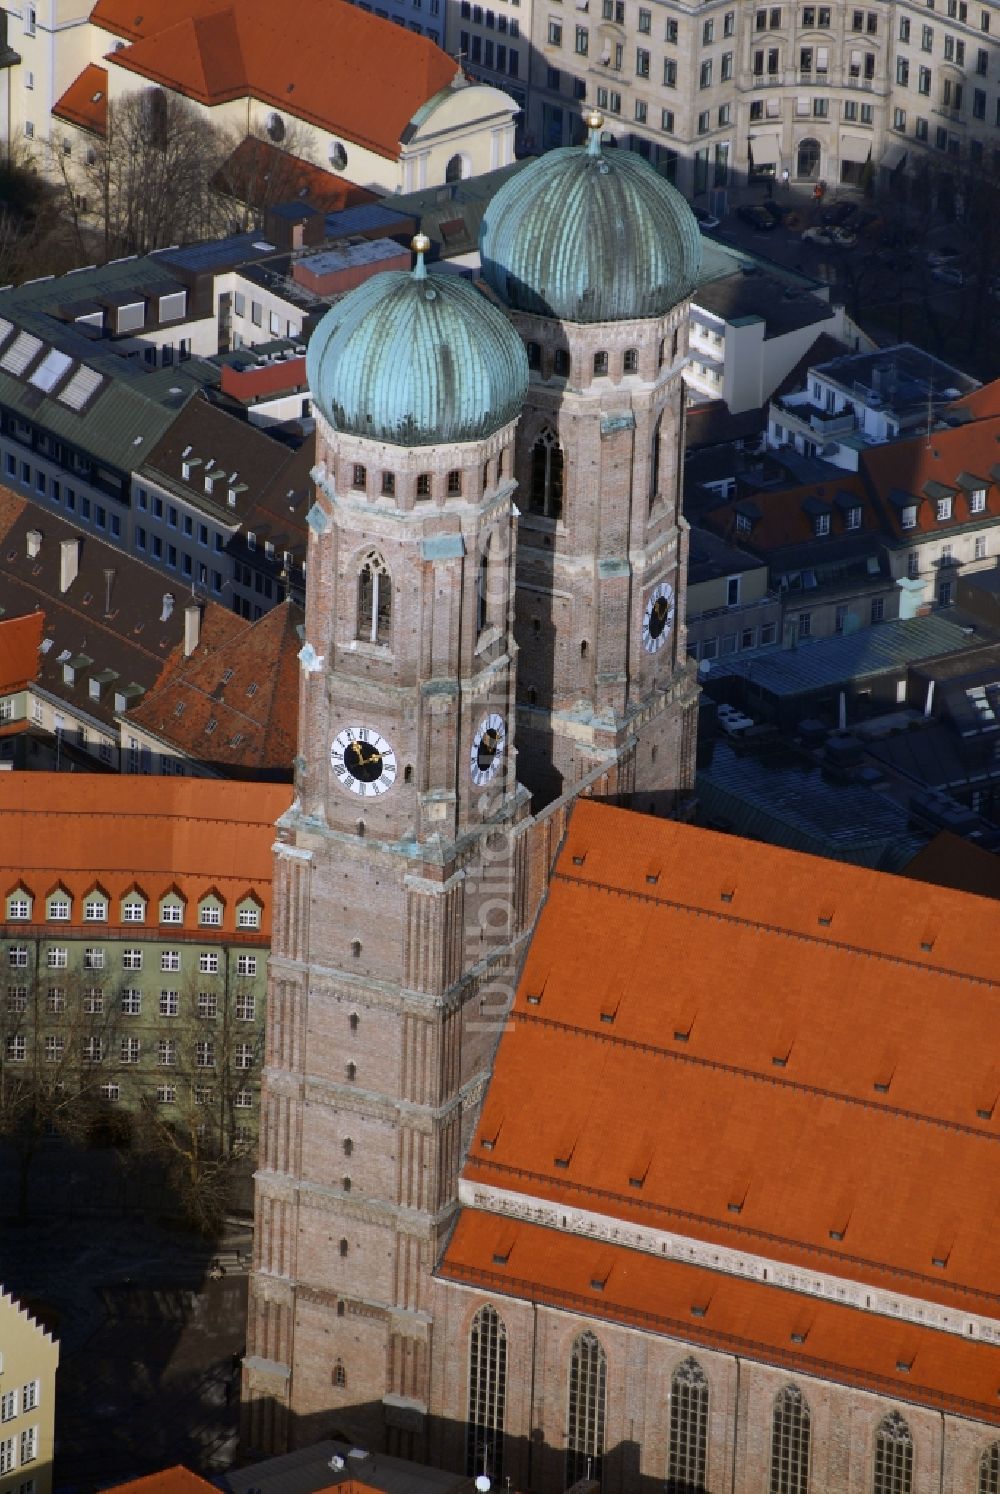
{"x": 170, "y": 1481}
{"x": 324, "y": 61}
{"x": 20, "y": 640}
{"x": 85, "y": 102}
{"x": 78, "y": 829}
{"x": 785, "y": 521}
{"x": 741, "y": 1316}
{"x": 906, "y": 467}
{"x": 822, "y": 1039}
{"x": 259, "y": 171}
{"x": 233, "y": 707}
{"x": 982, "y": 402}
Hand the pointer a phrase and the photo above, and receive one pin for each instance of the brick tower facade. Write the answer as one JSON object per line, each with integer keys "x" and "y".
{"x": 603, "y": 674}
{"x": 398, "y": 877}
{"x": 410, "y": 868}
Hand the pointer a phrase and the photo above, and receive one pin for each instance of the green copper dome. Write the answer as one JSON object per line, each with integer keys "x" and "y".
{"x": 586, "y": 236}
{"x": 416, "y": 360}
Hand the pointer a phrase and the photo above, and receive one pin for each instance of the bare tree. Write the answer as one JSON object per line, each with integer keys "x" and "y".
{"x": 259, "y": 172}
{"x": 150, "y": 181}
{"x": 201, "y": 1139}
{"x": 57, "y": 1034}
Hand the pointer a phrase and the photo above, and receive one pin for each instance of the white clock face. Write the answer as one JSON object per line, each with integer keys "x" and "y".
{"x": 363, "y": 760}
{"x": 658, "y": 617}
{"x": 486, "y": 755}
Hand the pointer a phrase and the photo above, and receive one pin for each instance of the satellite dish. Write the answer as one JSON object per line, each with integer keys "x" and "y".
{"x": 483, "y": 1484}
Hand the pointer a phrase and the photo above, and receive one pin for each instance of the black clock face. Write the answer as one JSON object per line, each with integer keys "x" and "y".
{"x": 487, "y": 748}
{"x": 363, "y": 760}
{"x": 658, "y": 617}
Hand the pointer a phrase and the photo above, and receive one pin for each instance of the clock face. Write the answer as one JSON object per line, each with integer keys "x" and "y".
{"x": 486, "y": 755}
{"x": 363, "y": 760}
{"x": 658, "y": 617}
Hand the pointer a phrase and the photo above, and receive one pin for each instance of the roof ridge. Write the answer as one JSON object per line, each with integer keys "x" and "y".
{"x": 740, "y": 1230}
{"x": 780, "y": 1081}
{"x": 560, "y": 874}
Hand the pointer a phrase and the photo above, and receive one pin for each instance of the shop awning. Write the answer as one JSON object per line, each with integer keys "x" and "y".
{"x": 893, "y": 156}
{"x": 766, "y": 150}
{"x": 855, "y": 148}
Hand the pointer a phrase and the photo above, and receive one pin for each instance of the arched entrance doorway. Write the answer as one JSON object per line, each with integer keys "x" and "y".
{"x": 807, "y": 162}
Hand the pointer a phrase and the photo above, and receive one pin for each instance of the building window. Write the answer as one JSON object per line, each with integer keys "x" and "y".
{"x": 19, "y": 906}
{"x": 246, "y": 964}
{"x": 243, "y": 1055}
{"x": 979, "y": 547}
{"x": 246, "y": 1007}
{"x": 822, "y": 525}
{"x": 546, "y": 492}
{"x": 208, "y": 1004}
{"x": 909, "y": 517}
{"x": 57, "y": 958}
{"x": 893, "y": 1457}
{"x": 878, "y": 609}
{"x": 943, "y": 509}
{"x": 487, "y": 1394}
{"x": 131, "y": 1002}
{"x": 171, "y": 913}
{"x": 688, "y": 1428}
{"x": 630, "y": 362}
{"x": 169, "y": 1003}
{"x": 989, "y": 1470}
{"x": 170, "y": 959}
{"x": 93, "y": 959}
{"x": 133, "y": 911}
{"x": 359, "y": 476}
{"x": 588, "y": 1373}
{"x": 248, "y": 916}
{"x": 204, "y": 1055}
{"x": 17, "y": 956}
{"x": 374, "y": 600}
{"x": 210, "y": 915}
{"x": 790, "y": 1443}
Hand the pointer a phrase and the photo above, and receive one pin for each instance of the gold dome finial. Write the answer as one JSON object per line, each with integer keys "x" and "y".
{"x": 594, "y": 120}
{"x": 420, "y": 244}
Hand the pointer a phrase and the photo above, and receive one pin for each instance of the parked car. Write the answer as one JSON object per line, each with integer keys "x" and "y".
{"x": 949, "y": 274}
{"x": 776, "y": 209}
{"x": 839, "y": 238}
{"x": 838, "y": 214}
{"x": 706, "y": 221}
{"x": 754, "y": 214}
{"x": 946, "y": 255}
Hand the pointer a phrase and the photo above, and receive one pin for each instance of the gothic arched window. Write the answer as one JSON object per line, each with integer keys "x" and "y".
{"x": 487, "y": 1394}
{"x": 688, "y": 1429}
{"x": 588, "y": 1385}
{"x": 893, "y": 1457}
{"x": 374, "y": 600}
{"x": 654, "y": 463}
{"x": 790, "y": 1443}
{"x": 483, "y": 589}
{"x": 989, "y": 1470}
{"x": 545, "y": 496}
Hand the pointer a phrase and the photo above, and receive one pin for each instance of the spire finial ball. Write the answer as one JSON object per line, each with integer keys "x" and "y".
{"x": 594, "y": 120}
{"x": 420, "y": 243}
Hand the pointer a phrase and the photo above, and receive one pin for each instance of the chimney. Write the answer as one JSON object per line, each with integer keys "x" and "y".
{"x": 69, "y": 563}
{"x": 168, "y": 606}
{"x": 192, "y": 628}
{"x": 34, "y": 538}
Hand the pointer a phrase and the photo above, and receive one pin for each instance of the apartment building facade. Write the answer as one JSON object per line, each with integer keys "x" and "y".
{"x": 29, "y": 1357}
{"x": 139, "y": 988}
{"x": 717, "y": 93}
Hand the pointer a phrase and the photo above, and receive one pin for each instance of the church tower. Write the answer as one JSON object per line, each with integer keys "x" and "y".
{"x": 595, "y": 256}
{"x": 399, "y": 875}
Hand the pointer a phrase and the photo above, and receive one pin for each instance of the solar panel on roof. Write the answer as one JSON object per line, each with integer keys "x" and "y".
{"x": 20, "y": 353}
{"x": 81, "y": 387}
{"x": 51, "y": 369}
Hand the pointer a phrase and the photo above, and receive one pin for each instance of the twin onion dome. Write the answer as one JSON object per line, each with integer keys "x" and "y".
{"x": 420, "y": 360}
{"x": 587, "y": 236}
